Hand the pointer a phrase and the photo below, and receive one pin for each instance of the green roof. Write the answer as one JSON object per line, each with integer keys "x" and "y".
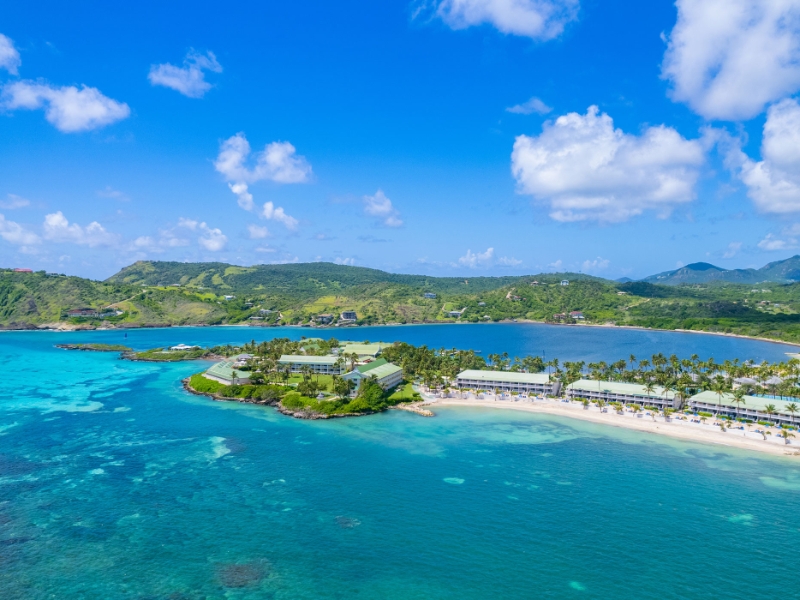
{"x": 371, "y": 365}
{"x": 505, "y": 376}
{"x": 618, "y": 387}
{"x": 751, "y": 402}
{"x": 225, "y": 370}
{"x": 361, "y": 349}
{"x": 305, "y": 359}
{"x": 383, "y": 370}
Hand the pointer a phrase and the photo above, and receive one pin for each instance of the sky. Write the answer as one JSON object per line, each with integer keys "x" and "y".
{"x": 443, "y": 137}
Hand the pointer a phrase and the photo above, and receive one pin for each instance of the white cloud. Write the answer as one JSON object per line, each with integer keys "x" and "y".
{"x": 557, "y": 265}
{"x": 381, "y": 207}
{"x": 537, "y": 19}
{"x": 771, "y": 243}
{"x": 733, "y": 250}
{"x": 189, "y": 80}
{"x": 278, "y": 162}
{"x": 476, "y": 259}
{"x": 267, "y": 249}
{"x": 257, "y": 232}
{"x": 598, "y": 264}
{"x": 68, "y": 108}
{"x": 112, "y": 194}
{"x": 9, "y": 57}
{"x": 243, "y": 195}
{"x": 276, "y": 213}
{"x": 509, "y": 261}
{"x": 344, "y": 261}
{"x": 167, "y": 238}
{"x": 534, "y": 105}
{"x": 774, "y": 182}
{"x": 211, "y": 238}
{"x": 14, "y": 201}
{"x": 16, "y": 234}
{"x": 727, "y": 59}
{"x": 584, "y": 169}
{"x": 57, "y": 228}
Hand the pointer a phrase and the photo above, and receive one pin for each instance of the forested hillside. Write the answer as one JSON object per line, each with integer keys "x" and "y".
{"x": 167, "y": 293}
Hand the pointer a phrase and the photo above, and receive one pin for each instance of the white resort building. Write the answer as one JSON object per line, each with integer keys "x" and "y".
{"x": 226, "y": 372}
{"x": 508, "y": 381}
{"x": 327, "y": 365}
{"x": 615, "y": 391}
{"x": 387, "y": 375}
{"x": 752, "y": 407}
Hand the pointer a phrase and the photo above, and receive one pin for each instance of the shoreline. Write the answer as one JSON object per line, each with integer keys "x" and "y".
{"x": 674, "y": 428}
{"x": 80, "y": 329}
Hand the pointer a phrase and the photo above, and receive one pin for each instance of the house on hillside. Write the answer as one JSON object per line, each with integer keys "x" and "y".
{"x": 429, "y": 295}
{"x": 564, "y": 282}
{"x": 576, "y": 314}
{"x": 348, "y": 316}
{"x": 23, "y": 270}
{"x": 325, "y": 319}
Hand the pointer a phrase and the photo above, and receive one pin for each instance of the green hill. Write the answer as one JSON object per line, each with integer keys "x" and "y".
{"x": 172, "y": 293}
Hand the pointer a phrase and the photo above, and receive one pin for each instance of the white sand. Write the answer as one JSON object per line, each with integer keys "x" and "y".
{"x": 705, "y": 433}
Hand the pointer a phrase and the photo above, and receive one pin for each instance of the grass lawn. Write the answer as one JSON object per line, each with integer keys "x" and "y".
{"x": 324, "y": 380}
{"x": 404, "y": 393}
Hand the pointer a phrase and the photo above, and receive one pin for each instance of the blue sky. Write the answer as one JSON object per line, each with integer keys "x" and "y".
{"x": 466, "y": 137}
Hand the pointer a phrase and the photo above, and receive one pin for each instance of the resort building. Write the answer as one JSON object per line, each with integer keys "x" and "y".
{"x": 752, "y": 407}
{"x": 348, "y": 315}
{"x": 508, "y": 381}
{"x": 180, "y": 347}
{"x": 325, "y": 319}
{"x": 564, "y": 282}
{"x": 364, "y": 351}
{"x": 227, "y": 373}
{"x": 327, "y": 365}
{"x": 576, "y": 314}
{"x": 386, "y": 374}
{"x": 627, "y": 393}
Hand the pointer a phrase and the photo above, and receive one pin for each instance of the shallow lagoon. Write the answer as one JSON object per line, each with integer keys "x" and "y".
{"x": 114, "y": 483}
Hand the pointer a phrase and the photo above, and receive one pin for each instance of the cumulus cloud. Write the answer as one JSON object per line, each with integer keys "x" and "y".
{"x": 16, "y": 234}
{"x": 211, "y": 238}
{"x": 536, "y": 19}
{"x": 598, "y": 264}
{"x": 57, "y": 228}
{"x": 68, "y": 108}
{"x": 379, "y": 206}
{"x": 278, "y": 162}
{"x": 509, "y": 261}
{"x": 189, "y": 79}
{"x": 771, "y": 243}
{"x": 344, "y": 261}
{"x": 773, "y": 183}
{"x": 534, "y": 105}
{"x": 13, "y": 201}
{"x": 476, "y": 259}
{"x": 727, "y": 59}
{"x": 276, "y": 213}
{"x": 257, "y": 232}
{"x": 9, "y": 56}
{"x": 733, "y": 250}
{"x": 585, "y": 169}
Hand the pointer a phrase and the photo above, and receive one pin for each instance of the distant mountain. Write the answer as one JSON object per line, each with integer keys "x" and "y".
{"x": 782, "y": 271}
{"x": 306, "y": 280}
{"x": 623, "y": 280}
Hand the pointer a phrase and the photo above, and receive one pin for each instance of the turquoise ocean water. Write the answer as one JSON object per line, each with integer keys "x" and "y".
{"x": 114, "y": 483}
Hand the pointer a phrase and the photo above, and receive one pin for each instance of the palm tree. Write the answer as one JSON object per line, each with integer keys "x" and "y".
{"x": 738, "y": 397}
{"x": 786, "y": 434}
{"x": 649, "y": 388}
{"x": 792, "y": 408}
{"x": 719, "y": 387}
{"x": 770, "y": 410}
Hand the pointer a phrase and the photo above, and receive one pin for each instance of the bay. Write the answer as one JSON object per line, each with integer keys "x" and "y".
{"x": 115, "y": 483}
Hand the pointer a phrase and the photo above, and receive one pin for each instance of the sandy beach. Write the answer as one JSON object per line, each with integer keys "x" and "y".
{"x": 705, "y": 433}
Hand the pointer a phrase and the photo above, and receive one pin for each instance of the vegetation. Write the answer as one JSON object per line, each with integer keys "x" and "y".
{"x": 95, "y": 347}
{"x": 165, "y": 293}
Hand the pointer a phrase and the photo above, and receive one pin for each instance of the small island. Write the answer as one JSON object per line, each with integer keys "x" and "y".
{"x": 95, "y": 347}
